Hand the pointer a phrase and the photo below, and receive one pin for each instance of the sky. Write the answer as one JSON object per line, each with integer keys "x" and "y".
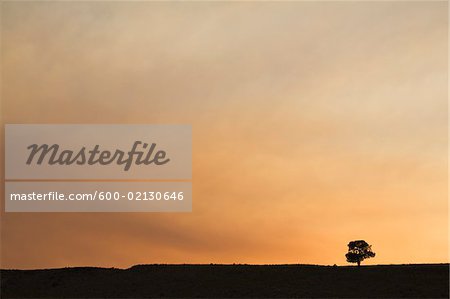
{"x": 314, "y": 124}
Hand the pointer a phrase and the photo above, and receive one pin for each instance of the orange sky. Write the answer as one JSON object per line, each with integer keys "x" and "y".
{"x": 313, "y": 124}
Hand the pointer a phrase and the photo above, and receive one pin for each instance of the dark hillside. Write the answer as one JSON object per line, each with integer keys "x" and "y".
{"x": 145, "y": 281}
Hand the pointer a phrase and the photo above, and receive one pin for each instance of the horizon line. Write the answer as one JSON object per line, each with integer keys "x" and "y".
{"x": 224, "y": 264}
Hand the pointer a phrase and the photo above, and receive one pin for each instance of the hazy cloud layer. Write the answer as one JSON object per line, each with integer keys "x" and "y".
{"x": 314, "y": 124}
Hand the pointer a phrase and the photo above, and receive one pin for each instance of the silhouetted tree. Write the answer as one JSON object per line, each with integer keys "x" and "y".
{"x": 358, "y": 251}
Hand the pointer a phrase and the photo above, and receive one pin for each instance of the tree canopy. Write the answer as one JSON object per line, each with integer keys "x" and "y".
{"x": 358, "y": 251}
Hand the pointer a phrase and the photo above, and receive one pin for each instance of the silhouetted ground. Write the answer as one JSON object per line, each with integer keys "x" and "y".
{"x": 145, "y": 281}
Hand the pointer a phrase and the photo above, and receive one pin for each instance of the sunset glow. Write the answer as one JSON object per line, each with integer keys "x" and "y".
{"x": 313, "y": 123}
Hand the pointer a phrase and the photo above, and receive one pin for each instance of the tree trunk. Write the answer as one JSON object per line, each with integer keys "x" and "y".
{"x": 359, "y": 263}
